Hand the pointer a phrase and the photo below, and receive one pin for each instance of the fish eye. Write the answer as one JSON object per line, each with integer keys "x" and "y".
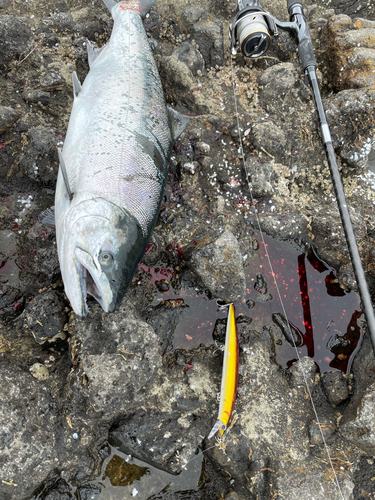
{"x": 105, "y": 258}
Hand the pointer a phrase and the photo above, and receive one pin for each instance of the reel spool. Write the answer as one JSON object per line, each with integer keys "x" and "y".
{"x": 253, "y": 35}
{"x": 252, "y": 29}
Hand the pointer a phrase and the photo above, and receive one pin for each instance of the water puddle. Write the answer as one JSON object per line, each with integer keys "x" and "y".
{"x": 123, "y": 476}
{"x": 326, "y": 320}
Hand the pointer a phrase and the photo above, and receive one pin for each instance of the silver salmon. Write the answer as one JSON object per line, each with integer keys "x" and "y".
{"x": 114, "y": 163}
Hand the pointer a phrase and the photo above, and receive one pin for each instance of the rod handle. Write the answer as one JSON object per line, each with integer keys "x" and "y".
{"x": 293, "y": 2}
{"x": 303, "y": 38}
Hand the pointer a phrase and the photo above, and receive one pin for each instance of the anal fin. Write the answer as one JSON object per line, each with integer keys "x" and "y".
{"x": 65, "y": 174}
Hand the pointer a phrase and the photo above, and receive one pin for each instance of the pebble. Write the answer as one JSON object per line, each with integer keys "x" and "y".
{"x": 326, "y": 427}
{"x": 8, "y": 116}
{"x": 39, "y": 371}
{"x": 335, "y": 387}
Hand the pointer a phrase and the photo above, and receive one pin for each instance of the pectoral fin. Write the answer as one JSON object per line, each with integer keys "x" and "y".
{"x": 65, "y": 174}
{"x": 47, "y": 217}
{"x": 177, "y": 122}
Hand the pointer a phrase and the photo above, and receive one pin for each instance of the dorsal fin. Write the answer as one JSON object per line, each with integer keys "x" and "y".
{"x": 65, "y": 174}
{"x": 76, "y": 85}
{"x": 177, "y": 122}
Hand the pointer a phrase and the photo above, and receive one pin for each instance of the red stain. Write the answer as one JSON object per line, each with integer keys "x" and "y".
{"x": 189, "y": 366}
{"x": 157, "y": 273}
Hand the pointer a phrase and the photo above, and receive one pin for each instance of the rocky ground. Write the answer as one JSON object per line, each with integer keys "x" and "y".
{"x": 70, "y": 386}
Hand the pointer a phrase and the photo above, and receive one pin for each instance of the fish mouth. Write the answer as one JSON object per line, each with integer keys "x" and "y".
{"x": 91, "y": 283}
{"x": 89, "y": 287}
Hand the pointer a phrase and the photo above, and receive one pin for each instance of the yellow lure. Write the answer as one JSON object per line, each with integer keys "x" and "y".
{"x": 229, "y": 376}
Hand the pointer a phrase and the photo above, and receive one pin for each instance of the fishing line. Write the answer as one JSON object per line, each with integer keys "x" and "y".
{"x": 196, "y": 456}
{"x": 277, "y": 287}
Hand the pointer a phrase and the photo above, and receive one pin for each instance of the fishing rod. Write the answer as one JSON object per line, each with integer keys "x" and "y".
{"x": 251, "y": 34}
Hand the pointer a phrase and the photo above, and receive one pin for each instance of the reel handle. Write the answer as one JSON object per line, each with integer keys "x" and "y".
{"x": 303, "y": 38}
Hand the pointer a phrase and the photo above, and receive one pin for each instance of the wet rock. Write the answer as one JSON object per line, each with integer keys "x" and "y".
{"x": 263, "y": 408}
{"x": 347, "y": 277}
{"x": 136, "y": 435}
{"x": 190, "y": 56}
{"x": 349, "y": 53}
{"x": 336, "y": 343}
{"x": 360, "y": 430}
{"x": 287, "y": 227}
{"x": 41, "y": 157}
{"x": 119, "y": 356}
{"x": 292, "y": 334}
{"x": 325, "y": 427}
{"x": 179, "y": 83}
{"x": 261, "y": 287}
{"x": 275, "y": 83}
{"x": 164, "y": 321}
{"x": 11, "y": 299}
{"x": 54, "y": 488}
{"x": 219, "y": 265}
{"x": 303, "y": 372}
{"x": 266, "y": 136}
{"x": 335, "y": 387}
{"x": 16, "y": 38}
{"x": 262, "y": 176}
{"x": 8, "y": 117}
{"x": 37, "y": 96}
{"x": 246, "y": 335}
{"x": 89, "y": 492}
{"x": 44, "y": 317}
{"x": 232, "y": 495}
{"x": 207, "y": 32}
{"x": 61, "y": 22}
{"x": 350, "y": 115}
{"x": 358, "y": 7}
{"x": 50, "y": 40}
{"x": 46, "y": 261}
{"x": 89, "y": 29}
{"x": 328, "y": 235}
{"x": 312, "y": 484}
{"x": 28, "y": 431}
{"x": 5, "y": 4}
{"x": 363, "y": 478}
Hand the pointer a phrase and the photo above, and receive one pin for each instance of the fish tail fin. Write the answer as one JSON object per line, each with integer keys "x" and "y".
{"x": 142, "y": 6}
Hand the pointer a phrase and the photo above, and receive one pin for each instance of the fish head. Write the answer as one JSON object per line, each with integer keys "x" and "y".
{"x": 100, "y": 247}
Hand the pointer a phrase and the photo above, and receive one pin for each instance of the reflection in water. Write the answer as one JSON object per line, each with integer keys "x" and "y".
{"x": 305, "y": 301}
{"x": 125, "y": 477}
{"x": 122, "y": 473}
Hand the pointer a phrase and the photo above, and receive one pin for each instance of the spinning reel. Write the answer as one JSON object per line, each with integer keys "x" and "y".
{"x": 253, "y": 28}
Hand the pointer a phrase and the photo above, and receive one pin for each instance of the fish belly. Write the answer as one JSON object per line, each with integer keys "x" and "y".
{"x": 118, "y": 142}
